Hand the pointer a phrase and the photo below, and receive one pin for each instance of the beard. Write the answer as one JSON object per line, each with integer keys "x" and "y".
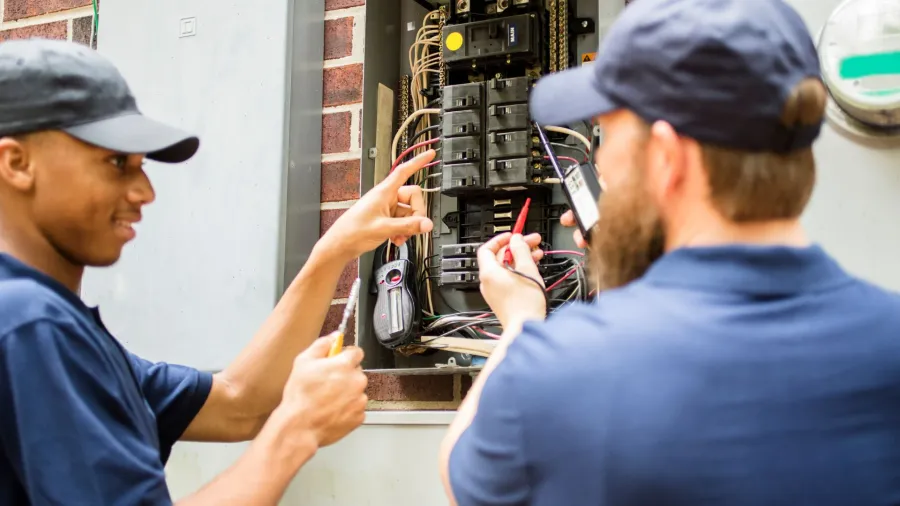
{"x": 630, "y": 235}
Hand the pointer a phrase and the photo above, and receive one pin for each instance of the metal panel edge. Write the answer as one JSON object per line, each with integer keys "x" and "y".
{"x": 381, "y": 63}
{"x": 301, "y": 194}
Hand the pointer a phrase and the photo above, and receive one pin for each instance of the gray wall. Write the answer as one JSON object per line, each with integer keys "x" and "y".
{"x": 203, "y": 273}
{"x": 208, "y": 262}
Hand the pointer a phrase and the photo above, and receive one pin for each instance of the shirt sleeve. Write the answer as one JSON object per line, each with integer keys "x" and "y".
{"x": 67, "y": 433}
{"x": 488, "y": 465}
{"x": 175, "y": 393}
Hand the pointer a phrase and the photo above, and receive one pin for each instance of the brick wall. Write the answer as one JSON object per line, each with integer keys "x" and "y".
{"x": 344, "y": 48}
{"x": 341, "y": 136}
{"x": 54, "y": 19}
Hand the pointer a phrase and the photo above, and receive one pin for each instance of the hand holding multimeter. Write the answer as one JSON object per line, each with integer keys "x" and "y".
{"x": 581, "y": 186}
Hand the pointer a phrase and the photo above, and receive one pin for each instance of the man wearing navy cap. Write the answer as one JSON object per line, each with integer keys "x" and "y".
{"x": 82, "y": 420}
{"x": 728, "y": 360}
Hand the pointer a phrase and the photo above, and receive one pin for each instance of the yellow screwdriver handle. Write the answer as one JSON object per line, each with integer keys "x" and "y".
{"x": 338, "y": 344}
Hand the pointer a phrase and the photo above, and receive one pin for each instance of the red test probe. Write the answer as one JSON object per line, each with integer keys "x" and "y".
{"x": 520, "y": 226}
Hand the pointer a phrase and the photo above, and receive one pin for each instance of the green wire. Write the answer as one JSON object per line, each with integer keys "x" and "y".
{"x": 96, "y": 19}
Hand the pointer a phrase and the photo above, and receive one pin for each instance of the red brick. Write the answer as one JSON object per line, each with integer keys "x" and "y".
{"x": 331, "y": 5}
{"x": 336, "y": 132}
{"x": 340, "y": 181}
{"x": 333, "y": 320}
{"x": 326, "y": 220}
{"x": 387, "y": 387}
{"x": 342, "y": 85}
{"x": 18, "y": 9}
{"x": 82, "y": 30}
{"x": 338, "y": 38}
{"x": 351, "y": 272}
{"x": 56, "y": 30}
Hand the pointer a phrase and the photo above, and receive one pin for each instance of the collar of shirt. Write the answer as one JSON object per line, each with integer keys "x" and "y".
{"x": 754, "y": 270}
{"x": 12, "y": 268}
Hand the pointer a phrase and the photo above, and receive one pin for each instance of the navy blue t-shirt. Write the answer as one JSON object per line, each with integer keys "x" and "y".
{"x": 82, "y": 421}
{"x": 732, "y": 375}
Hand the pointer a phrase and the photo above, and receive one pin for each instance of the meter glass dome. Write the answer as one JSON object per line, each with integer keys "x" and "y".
{"x": 860, "y": 54}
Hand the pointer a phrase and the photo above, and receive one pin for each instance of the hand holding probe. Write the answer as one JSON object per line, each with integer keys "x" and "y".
{"x": 517, "y": 229}
{"x": 338, "y": 344}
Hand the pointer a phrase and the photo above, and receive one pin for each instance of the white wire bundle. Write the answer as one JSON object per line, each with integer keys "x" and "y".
{"x": 424, "y": 61}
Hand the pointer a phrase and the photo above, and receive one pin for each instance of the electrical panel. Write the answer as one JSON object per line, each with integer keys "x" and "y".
{"x": 464, "y": 92}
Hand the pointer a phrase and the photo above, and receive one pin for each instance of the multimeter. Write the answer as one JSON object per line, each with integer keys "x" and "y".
{"x": 581, "y": 186}
{"x": 396, "y": 318}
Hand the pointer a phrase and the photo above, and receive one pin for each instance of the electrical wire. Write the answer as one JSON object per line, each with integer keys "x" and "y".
{"x": 96, "y": 21}
{"x": 405, "y": 124}
{"x": 573, "y": 148}
{"x": 565, "y": 159}
{"x": 410, "y": 150}
{"x": 573, "y": 133}
{"x": 425, "y": 64}
{"x": 564, "y": 252}
{"x": 426, "y": 131}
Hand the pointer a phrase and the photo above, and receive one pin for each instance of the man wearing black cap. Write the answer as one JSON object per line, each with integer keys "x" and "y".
{"x": 728, "y": 359}
{"x": 82, "y": 421}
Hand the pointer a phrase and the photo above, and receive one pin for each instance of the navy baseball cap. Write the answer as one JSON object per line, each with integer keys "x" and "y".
{"x": 719, "y": 71}
{"x": 56, "y": 85}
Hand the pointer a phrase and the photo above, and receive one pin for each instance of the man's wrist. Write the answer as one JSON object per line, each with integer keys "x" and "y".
{"x": 514, "y": 324}
{"x": 287, "y": 441}
{"x": 329, "y": 248}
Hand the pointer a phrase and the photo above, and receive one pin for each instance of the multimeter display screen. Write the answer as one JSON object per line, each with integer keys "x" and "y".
{"x": 395, "y": 303}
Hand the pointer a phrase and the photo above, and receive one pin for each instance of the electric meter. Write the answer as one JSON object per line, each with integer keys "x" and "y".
{"x": 859, "y": 49}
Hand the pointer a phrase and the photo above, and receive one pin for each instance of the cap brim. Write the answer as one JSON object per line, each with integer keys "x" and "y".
{"x": 138, "y": 134}
{"x": 569, "y": 96}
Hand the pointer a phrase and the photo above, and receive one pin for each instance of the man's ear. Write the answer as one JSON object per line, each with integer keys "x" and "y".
{"x": 16, "y": 164}
{"x": 666, "y": 159}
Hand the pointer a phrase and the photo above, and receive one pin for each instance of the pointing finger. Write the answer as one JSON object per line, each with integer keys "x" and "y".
{"x": 412, "y": 195}
{"x": 402, "y": 173}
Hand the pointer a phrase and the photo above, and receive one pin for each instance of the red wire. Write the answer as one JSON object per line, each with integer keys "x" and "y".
{"x": 560, "y": 280}
{"x": 564, "y": 252}
{"x": 411, "y": 149}
{"x": 432, "y": 164}
{"x": 566, "y": 158}
{"x": 486, "y": 333}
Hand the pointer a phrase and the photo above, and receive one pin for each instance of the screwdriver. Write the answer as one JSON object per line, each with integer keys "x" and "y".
{"x": 338, "y": 344}
{"x": 520, "y": 226}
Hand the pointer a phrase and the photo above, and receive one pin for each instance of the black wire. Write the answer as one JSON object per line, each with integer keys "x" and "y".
{"x": 415, "y": 122}
{"x": 423, "y": 132}
{"x": 536, "y": 282}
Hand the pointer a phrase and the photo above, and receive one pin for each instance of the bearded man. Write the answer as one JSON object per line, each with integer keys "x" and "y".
{"x": 727, "y": 360}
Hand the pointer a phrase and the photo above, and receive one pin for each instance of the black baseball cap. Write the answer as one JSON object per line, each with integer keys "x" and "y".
{"x": 56, "y": 85}
{"x": 719, "y": 71}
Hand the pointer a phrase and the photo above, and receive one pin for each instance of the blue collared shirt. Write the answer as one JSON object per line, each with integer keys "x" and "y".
{"x": 82, "y": 420}
{"x": 733, "y": 375}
